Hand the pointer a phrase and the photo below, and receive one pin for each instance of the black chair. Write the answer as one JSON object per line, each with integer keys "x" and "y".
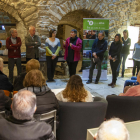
{"x": 124, "y": 107}
{"x": 76, "y": 118}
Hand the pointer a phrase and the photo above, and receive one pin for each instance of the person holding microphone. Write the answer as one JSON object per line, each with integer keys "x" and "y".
{"x": 72, "y": 46}
{"x": 114, "y": 57}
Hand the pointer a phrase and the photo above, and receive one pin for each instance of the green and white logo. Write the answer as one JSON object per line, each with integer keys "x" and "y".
{"x": 95, "y": 24}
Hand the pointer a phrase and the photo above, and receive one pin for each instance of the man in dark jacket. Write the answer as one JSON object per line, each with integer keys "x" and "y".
{"x": 98, "y": 48}
{"x": 13, "y": 44}
{"x": 22, "y": 125}
{"x": 4, "y": 82}
{"x": 32, "y": 43}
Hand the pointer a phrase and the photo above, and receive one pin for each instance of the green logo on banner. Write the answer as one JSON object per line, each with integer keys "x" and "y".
{"x": 95, "y": 24}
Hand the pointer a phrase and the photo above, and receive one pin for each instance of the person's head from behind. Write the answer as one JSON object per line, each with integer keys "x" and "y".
{"x": 125, "y": 33}
{"x": 32, "y": 64}
{"x": 75, "y": 91}
{"x": 24, "y": 105}
{"x": 118, "y": 38}
{"x": 13, "y": 32}
{"x": 1, "y": 64}
{"x": 101, "y": 35}
{"x": 34, "y": 78}
{"x": 32, "y": 30}
{"x": 73, "y": 33}
{"x": 113, "y": 129}
{"x": 52, "y": 33}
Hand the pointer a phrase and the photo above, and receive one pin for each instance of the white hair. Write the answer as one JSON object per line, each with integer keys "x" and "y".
{"x": 12, "y": 30}
{"x": 113, "y": 129}
{"x": 30, "y": 27}
{"x": 1, "y": 62}
{"x": 23, "y": 105}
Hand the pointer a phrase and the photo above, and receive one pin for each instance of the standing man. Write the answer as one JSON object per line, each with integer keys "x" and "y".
{"x": 13, "y": 44}
{"x": 32, "y": 43}
{"x": 98, "y": 48}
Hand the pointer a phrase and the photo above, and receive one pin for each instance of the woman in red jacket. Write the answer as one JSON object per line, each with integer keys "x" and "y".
{"x": 72, "y": 46}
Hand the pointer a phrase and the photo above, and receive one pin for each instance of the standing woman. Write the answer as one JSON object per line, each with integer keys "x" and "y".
{"x": 136, "y": 57}
{"x": 52, "y": 51}
{"x": 124, "y": 52}
{"x": 114, "y": 56}
{"x": 72, "y": 46}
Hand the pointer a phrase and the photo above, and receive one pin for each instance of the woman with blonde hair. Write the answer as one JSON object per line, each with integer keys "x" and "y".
{"x": 136, "y": 57}
{"x": 46, "y": 101}
{"x": 75, "y": 91}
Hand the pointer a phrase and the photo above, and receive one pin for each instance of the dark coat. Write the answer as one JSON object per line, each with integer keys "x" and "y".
{"x": 12, "y": 129}
{"x": 115, "y": 50}
{"x": 5, "y": 102}
{"x": 4, "y": 82}
{"x": 18, "y": 83}
{"x": 99, "y": 49}
{"x": 46, "y": 100}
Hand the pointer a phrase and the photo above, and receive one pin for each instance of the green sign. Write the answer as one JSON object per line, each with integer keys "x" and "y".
{"x": 95, "y": 24}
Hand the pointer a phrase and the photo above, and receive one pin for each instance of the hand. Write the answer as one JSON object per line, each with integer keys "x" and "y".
{"x": 36, "y": 42}
{"x": 121, "y": 94}
{"x": 94, "y": 53}
{"x": 95, "y": 136}
{"x": 95, "y": 56}
{"x": 71, "y": 44}
{"x": 31, "y": 46}
{"x": 110, "y": 57}
{"x": 53, "y": 56}
{"x": 64, "y": 42}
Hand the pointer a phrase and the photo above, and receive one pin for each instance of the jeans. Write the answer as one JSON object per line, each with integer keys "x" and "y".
{"x": 72, "y": 67}
{"x": 11, "y": 63}
{"x": 51, "y": 64}
{"x": 136, "y": 64}
{"x": 92, "y": 67}
{"x": 114, "y": 66}
{"x": 124, "y": 56}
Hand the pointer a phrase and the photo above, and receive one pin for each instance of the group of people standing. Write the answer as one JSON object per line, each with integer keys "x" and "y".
{"x": 118, "y": 53}
{"x": 72, "y": 47}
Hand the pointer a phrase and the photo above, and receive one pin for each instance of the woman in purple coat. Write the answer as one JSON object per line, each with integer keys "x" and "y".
{"x": 72, "y": 46}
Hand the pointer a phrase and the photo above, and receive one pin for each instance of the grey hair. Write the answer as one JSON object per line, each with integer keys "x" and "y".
{"x": 12, "y": 30}
{"x": 23, "y": 105}
{"x": 113, "y": 129}
{"x": 102, "y": 32}
{"x": 30, "y": 27}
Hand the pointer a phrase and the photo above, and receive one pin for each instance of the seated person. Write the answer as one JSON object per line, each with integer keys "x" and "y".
{"x": 132, "y": 91}
{"x": 5, "y": 102}
{"x": 31, "y": 64}
{"x": 46, "y": 101}
{"x": 4, "y": 82}
{"x": 22, "y": 125}
{"x": 75, "y": 91}
{"x": 113, "y": 129}
{"x": 129, "y": 83}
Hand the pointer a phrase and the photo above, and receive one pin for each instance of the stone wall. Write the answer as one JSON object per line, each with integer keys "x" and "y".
{"x": 47, "y": 14}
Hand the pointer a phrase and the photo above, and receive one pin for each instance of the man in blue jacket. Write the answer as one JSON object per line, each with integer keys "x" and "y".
{"x": 98, "y": 48}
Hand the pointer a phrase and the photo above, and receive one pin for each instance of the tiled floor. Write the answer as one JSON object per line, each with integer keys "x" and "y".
{"x": 102, "y": 89}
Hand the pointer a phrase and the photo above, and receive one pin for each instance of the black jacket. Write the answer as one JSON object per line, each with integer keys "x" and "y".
{"x": 4, "y": 82}
{"x": 115, "y": 49}
{"x": 18, "y": 83}
{"x": 46, "y": 100}
{"x": 5, "y": 102}
{"x": 126, "y": 46}
{"x": 99, "y": 49}
{"x": 12, "y": 129}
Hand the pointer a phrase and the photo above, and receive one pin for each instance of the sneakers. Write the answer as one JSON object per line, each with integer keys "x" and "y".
{"x": 113, "y": 85}
{"x": 88, "y": 82}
